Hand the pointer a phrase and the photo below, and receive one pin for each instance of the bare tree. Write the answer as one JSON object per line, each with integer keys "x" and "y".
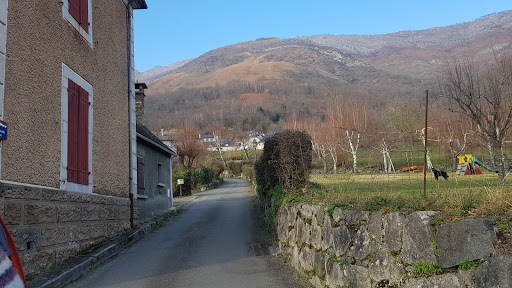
{"x": 352, "y": 118}
{"x": 219, "y": 132}
{"x": 456, "y": 134}
{"x": 485, "y": 97}
{"x": 189, "y": 148}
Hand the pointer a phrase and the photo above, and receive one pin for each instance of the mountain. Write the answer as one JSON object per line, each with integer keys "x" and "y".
{"x": 159, "y": 71}
{"x": 255, "y": 84}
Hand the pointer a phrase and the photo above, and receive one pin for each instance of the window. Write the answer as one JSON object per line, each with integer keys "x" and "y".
{"x": 78, "y": 14}
{"x": 76, "y": 131}
{"x": 140, "y": 176}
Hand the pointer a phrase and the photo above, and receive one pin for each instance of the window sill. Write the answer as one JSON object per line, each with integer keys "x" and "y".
{"x": 160, "y": 185}
{"x": 142, "y": 196}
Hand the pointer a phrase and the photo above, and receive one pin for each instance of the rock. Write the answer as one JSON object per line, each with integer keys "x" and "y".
{"x": 471, "y": 239}
{"x": 393, "y": 224}
{"x": 360, "y": 248}
{"x": 495, "y": 272}
{"x": 316, "y": 236}
{"x": 307, "y": 259}
{"x": 349, "y": 276}
{"x": 444, "y": 281}
{"x": 338, "y": 216}
{"x": 341, "y": 240}
{"x": 418, "y": 238}
{"x": 383, "y": 267}
{"x": 354, "y": 218}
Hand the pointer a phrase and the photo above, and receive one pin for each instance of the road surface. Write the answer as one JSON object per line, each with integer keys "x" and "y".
{"x": 215, "y": 242}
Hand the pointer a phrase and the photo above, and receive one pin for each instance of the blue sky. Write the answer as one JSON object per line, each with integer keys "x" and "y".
{"x": 174, "y": 30}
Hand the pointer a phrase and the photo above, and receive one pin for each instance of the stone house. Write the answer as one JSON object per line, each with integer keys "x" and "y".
{"x": 68, "y": 165}
{"x": 154, "y": 167}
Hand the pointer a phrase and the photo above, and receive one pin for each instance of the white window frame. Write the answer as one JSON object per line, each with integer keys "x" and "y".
{"x": 68, "y": 73}
{"x": 65, "y": 13}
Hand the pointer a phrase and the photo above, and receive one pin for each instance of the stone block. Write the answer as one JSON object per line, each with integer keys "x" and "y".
{"x": 495, "y": 272}
{"x": 360, "y": 247}
{"x": 307, "y": 259}
{"x": 64, "y": 253}
{"x": 36, "y": 262}
{"x": 316, "y": 237}
{"x": 338, "y": 216}
{"x": 341, "y": 240}
{"x": 3, "y": 37}
{"x": 418, "y": 239}
{"x": 13, "y": 213}
{"x": 393, "y": 224}
{"x": 349, "y": 276}
{"x": 299, "y": 231}
{"x": 320, "y": 264}
{"x": 307, "y": 211}
{"x": 68, "y": 213}
{"x": 55, "y": 235}
{"x": 26, "y": 239}
{"x": 375, "y": 224}
{"x": 21, "y": 192}
{"x": 3, "y": 11}
{"x": 443, "y": 281}
{"x": 473, "y": 239}
{"x": 295, "y": 262}
{"x": 2, "y": 208}
{"x": 354, "y": 218}
{"x": 383, "y": 267}
{"x": 89, "y": 213}
{"x": 40, "y": 213}
{"x": 66, "y": 197}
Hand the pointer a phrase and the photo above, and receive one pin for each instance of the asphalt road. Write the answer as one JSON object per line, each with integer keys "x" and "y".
{"x": 217, "y": 241}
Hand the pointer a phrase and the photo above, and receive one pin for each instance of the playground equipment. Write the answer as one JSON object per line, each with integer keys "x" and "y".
{"x": 466, "y": 165}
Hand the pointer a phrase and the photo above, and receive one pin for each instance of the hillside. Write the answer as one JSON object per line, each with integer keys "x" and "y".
{"x": 253, "y": 85}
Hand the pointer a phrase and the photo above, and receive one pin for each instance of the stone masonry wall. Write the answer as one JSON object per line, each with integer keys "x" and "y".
{"x": 342, "y": 248}
{"x": 49, "y": 226}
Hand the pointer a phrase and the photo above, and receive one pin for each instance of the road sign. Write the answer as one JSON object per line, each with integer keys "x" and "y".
{"x": 3, "y": 130}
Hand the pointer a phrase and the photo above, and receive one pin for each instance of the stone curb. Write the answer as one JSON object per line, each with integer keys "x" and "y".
{"x": 83, "y": 267}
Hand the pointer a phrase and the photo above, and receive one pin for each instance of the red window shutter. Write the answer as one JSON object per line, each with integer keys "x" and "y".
{"x": 140, "y": 176}
{"x": 74, "y": 9}
{"x": 84, "y": 14}
{"x": 73, "y": 104}
{"x": 78, "y": 134}
{"x": 83, "y": 138}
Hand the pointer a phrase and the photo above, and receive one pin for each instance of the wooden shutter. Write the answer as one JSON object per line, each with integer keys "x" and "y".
{"x": 73, "y": 106}
{"x": 74, "y": 9}
{"x": 140, "y": 176}
{"x": 84, "y": 14}
{"x": 78, "y": 134}
{"x": 83, "y": 138}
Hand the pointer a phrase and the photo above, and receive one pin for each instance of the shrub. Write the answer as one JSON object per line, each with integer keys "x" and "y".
{"x": 286, "y": 161}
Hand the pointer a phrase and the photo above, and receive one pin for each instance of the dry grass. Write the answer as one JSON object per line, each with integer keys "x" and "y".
{"x": 460, "y": 196}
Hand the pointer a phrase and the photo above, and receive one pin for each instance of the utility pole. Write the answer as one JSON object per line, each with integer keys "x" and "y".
{"x": 425, "y": 158}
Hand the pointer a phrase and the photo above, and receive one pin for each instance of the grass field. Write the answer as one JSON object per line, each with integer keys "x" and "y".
{"x": 459, "y": 197}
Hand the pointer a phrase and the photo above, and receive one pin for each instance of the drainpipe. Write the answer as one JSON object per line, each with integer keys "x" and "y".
{"x": 131, "y": 107}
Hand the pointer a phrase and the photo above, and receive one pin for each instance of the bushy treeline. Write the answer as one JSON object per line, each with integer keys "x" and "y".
{"x": 286, "y": 161}
{"x": 193, "y": 179}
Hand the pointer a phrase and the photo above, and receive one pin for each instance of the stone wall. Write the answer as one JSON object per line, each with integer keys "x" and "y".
{"x": 49, "y": 226}
{"x": 339, "y": 248}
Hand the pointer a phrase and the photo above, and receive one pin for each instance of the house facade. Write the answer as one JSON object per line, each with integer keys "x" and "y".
{"x": 154, "y": 167}
{"x": 68, "y": 165}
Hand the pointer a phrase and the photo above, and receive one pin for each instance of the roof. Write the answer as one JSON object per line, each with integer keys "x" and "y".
{"x": 144, "y": 134}
{"x": 138, "y": 4}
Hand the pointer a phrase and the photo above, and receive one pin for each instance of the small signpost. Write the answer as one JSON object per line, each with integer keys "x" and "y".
{"x": 181, "y": 182}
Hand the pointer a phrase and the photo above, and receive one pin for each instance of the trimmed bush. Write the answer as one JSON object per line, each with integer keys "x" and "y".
{"x": 286, "y": 161}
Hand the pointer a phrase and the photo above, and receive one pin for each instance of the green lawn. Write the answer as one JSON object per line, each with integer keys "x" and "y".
{"x": 460, "y": 196}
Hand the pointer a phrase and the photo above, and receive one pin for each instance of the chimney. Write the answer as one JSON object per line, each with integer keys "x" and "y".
{"x": 139, "y": 101}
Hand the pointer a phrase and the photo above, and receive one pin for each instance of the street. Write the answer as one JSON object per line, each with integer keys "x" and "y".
{"x": 215, "y": 242}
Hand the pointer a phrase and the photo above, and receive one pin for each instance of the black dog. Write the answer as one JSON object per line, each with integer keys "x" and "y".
{"x": 438, "y": 173}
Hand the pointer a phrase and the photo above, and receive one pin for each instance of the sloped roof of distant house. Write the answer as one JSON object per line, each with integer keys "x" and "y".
{"x": 145, "y": 135}
{"x": 228, "y": 143}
